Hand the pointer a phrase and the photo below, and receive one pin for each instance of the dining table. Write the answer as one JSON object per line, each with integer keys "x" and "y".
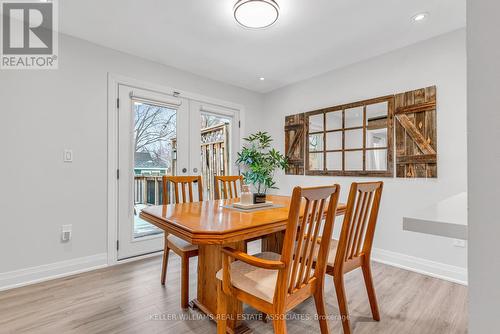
{"x": 214, "y": 224}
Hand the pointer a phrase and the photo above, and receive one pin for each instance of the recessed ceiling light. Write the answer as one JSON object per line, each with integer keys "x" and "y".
{"x": 256, "y": 13}
{"x": 262, "y": 79}
{"x": 420, "y": 17}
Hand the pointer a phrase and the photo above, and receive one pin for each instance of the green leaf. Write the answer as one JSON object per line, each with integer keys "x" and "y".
{"x": 259, "y": 161}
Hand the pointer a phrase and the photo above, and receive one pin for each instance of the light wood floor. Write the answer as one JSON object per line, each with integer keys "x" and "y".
{"x": 129, "y": 299}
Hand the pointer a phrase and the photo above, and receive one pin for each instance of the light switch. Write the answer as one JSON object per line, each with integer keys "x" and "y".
{"x": 66, "y": 232}
{"x": 68, "y": 155}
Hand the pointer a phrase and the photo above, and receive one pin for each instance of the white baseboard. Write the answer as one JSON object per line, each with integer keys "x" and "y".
{"x": 22, "y": 277}
{"x": 422, "y": 266}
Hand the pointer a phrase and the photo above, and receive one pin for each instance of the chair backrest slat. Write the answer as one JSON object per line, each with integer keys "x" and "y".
{"x": 314, "y": 239}
{"x": 235, "y": 188}
{"x": 226, "y": 186}
{"x": 307, "y": 243}
{"x": 356, "y": 224}
{"x": 180, "y": 183}
{"x": 302, "y": 245}
{"x": 190, "y": 191}
{"x": 351, "y": 227}
{"x": 358, "y": 227}
{"x": 183, "y": 187}
{"x": 300, "y": 239}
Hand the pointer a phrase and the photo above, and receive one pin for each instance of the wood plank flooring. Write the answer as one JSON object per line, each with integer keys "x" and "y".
{"x": 129, "y": 299}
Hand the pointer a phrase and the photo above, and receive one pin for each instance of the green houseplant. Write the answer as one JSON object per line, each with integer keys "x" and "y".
{"x": 259, "y": 162}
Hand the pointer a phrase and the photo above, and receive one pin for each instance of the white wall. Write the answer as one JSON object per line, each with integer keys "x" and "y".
{"x": 483, "y": 29}
{"x": 43, "y": 112}
{"x": 441, "y": 62}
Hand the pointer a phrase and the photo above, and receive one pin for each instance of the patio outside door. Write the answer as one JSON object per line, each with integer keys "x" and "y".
{"x": 161, "y": 134}
{"x": 153, "y": 141}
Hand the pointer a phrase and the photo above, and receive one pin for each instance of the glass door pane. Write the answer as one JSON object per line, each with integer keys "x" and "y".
{"x": 153, "y": 141}
{"x": 155, "y": 130}
{"x": 215, "y": 149}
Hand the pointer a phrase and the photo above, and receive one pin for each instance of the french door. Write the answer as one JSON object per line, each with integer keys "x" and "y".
{"x": 153, "y": 140}
{"x": 161, "y": 134}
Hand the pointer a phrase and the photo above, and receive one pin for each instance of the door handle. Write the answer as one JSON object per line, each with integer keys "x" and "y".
{"x": 195, "y": 170}
{"x": 184, "y": 170}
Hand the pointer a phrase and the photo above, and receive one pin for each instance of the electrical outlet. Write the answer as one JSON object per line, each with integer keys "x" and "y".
{"x": 459, "y": 243}
{"x": 68, "y": 155}
{"x": 66, "y": 232}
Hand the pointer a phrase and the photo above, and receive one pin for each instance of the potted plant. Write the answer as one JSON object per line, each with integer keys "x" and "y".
{"x": 259, "y": 162}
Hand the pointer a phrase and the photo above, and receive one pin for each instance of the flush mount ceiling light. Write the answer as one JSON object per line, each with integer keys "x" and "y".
{"x": 420, "y": 17}
{"x": 256, "y": 13}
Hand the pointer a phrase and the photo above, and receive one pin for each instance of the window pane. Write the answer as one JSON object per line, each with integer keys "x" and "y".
{"x": 376, "y": 127}
{"x": 334, "y": 120}
{"x": 316, "y": 123}
{"x": 354, "y": 117}
{"x": 334, "y": 161}
{"x": 354, "y": 138}
{"x": 334, "y": 140}
{"x": 376, "y": 138}
{"x": 316, "y": 142}
{"x": 354, "y": 160}
{"x": 378, "y": 110}
{"x": 315, "y": 161}
{"x": 376, "y": 160}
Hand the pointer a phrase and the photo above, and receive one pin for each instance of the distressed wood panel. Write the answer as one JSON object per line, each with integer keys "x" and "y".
{"x": 294, "y": 143}
{"x": 412, "y": 137}
{"x": 413, "y": 128}
{"x": 416, "y": 137}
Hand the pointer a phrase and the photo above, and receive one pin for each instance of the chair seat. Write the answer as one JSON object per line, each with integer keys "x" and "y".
{"x": 183, "y": 245}
{"x": 256, "y": 281}
{"x": 331, "y": 254}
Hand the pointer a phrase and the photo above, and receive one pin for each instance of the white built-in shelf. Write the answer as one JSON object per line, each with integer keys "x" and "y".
{"x": 447, "y": 218}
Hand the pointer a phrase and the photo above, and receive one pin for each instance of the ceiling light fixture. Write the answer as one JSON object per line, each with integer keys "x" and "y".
{"x": 256, "y": 13}
{"x": 262, "y": 78}
{"x": 420, "y": 17}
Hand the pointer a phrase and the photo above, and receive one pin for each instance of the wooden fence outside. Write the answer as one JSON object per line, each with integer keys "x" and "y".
{"x": 149, "y": 189}
{"x": 214, "y": 161}
{"x": 214, "y": 156}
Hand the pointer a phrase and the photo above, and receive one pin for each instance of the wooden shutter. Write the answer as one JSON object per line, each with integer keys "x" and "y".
{"x": 294, "y": 143}
{"x": 416, "y": 145}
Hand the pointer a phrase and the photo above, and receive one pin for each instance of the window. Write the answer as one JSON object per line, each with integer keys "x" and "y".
{"x": 355, "y": 139}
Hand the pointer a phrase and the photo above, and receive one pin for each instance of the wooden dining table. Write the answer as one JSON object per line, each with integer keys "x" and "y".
{"x": 212, "y": 225}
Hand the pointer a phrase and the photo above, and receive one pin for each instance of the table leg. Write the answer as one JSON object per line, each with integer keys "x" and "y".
{"x": 273, "y": 242}
{"x": 209, "y": 263}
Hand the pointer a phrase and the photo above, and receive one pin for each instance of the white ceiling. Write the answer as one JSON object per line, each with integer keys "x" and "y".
{"x": 311, "y": 36}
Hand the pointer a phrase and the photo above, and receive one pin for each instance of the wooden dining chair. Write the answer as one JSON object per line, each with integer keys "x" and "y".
{"x": 226, "y": 187}
{"x": 274, "y": 283}
{"x": 353, "y": 249}
{"x": 181, "y": 247}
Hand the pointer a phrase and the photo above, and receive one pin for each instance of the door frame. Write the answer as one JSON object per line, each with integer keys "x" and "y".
{"x": 112, "y": 147}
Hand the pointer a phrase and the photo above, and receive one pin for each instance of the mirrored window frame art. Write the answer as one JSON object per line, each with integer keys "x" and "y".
{"x": 369, "y": 155}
